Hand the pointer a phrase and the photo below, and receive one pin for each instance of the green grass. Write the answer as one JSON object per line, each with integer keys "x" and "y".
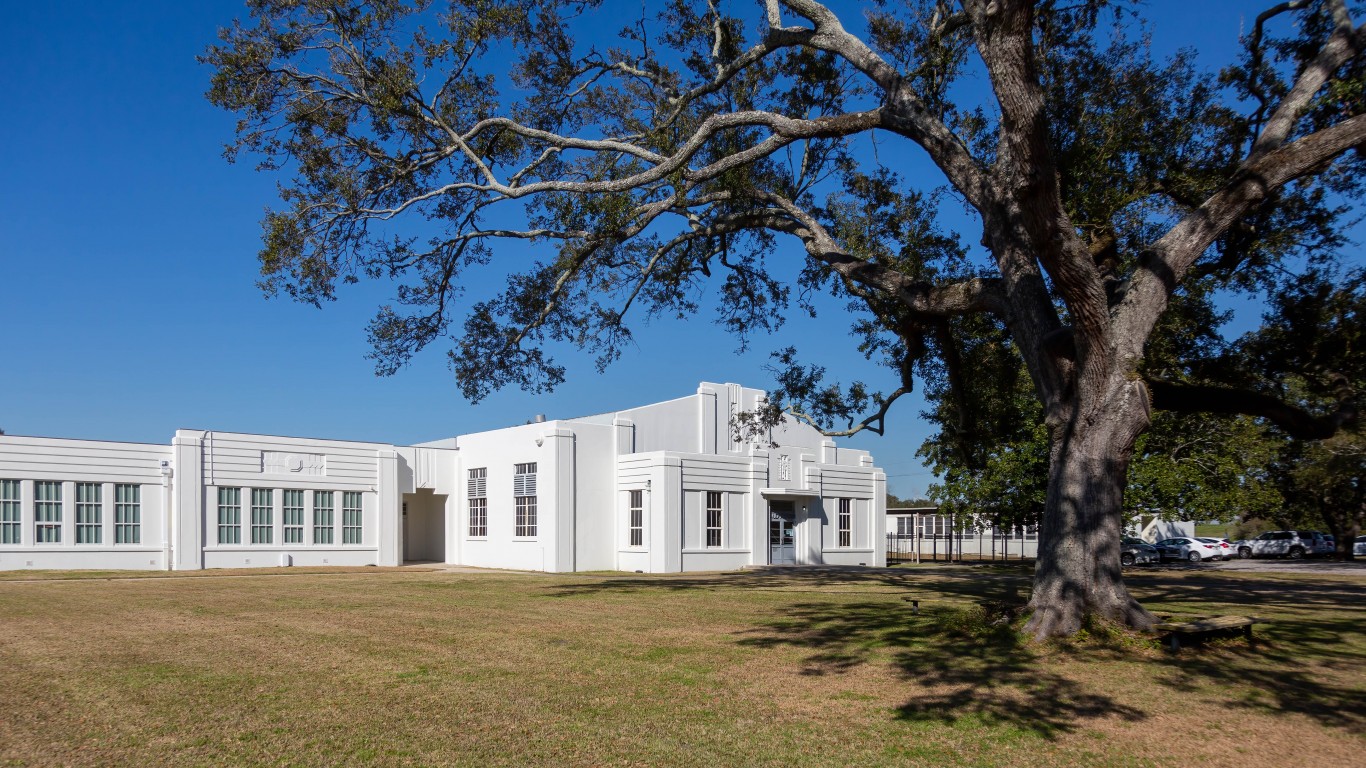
{"x": 805, "y": 667}
{"x": 1216, "y": 530}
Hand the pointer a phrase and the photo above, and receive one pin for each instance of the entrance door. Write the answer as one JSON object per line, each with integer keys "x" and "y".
{"x": 782, "y": 549}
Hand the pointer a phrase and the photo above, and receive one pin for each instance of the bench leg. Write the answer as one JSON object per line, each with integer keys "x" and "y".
{"x": 1176, "y": 643}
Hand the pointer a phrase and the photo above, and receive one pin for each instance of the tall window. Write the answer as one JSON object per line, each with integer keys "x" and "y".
{"x": 127, "y": 514}
{"x": 10, "y": 519}
{"x": 323, "y": 520}
{"x": 88, "y": 513}
{"x": 352, "y": 517}
{"x": 262, "y": 512}
{"x": 637, "y": 519}
{"x": 47, "y": 512}
{"x": 524, "y": 493}
{"x": 479, "y": 502}
{"x": 713, "y": 518}
{"x": 292, "y": 516}
{"x": 846, "y": 523}
{"x": 229, "y": 515}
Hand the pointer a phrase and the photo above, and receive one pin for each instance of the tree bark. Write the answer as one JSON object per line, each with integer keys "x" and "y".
{"x": 1077, "y": 573}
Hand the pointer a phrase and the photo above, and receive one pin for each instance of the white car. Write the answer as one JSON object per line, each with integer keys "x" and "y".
{"x": 1359, "y": 546}
{"x": 1226, "y": 550}
{"x": 1188, "y": 549}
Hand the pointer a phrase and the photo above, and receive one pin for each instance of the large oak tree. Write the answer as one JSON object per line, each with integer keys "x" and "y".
{"x": 766, "y": 146}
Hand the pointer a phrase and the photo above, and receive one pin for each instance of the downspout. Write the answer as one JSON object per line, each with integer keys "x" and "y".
{"x": 168, "y": 526}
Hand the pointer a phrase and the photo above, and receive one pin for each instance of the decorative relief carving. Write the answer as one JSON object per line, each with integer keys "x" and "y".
{"x": 731, "y": 426}
{"x": 784, "y": 467}
{"x": 282, "y": 463}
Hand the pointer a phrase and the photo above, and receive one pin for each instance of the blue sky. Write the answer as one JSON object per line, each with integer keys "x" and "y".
{"x": 127, "y": 256}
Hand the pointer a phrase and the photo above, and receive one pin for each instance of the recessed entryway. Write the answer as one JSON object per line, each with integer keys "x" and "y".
{"x": 424, "y": 527}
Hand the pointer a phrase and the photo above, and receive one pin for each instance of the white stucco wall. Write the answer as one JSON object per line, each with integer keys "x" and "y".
{"x": 31, "y": 459}
{"x": 247, "y": 462}
{"x": 499, "y": 452}
{"x": 675, "y": 453}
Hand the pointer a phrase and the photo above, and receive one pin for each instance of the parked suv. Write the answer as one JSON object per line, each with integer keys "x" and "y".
{"x": 1293, "y": 544}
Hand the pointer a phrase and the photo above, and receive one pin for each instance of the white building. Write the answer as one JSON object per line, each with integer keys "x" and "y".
{"x": 660, "y": 488}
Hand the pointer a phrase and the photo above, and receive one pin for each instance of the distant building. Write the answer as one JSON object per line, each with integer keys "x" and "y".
{"x": 660, "y": 488}
{"x": 914, "y": 533}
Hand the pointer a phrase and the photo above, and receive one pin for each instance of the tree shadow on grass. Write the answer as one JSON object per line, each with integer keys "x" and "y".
{"x": 972, "y": 666}
{"x": 969, "y": 661}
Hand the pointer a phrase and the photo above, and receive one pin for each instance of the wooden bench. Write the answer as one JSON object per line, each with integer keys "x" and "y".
{"x": 1199, "y": 627}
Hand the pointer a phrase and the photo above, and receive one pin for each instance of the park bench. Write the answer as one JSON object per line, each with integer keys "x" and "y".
{"x": 1201, "y": 627}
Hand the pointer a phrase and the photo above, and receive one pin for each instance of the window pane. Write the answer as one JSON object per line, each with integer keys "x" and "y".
{"x": 713, "y": 519}
{"x": 323, "y": 519}
{"x": 636, "y": 519}
{"x": 526, "y": 516}
{"x": 352, "y": 517}
{"x": 47, "y": 512}
{"x": 292, "y": 517}
{"x": 229, "y": 515}
{"x": 127, "y": 514}
{"x": 262, "y": 516}
{"x": 9, "y": 512}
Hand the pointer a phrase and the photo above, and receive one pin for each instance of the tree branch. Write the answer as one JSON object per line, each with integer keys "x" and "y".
{"x": 1295, "y": 421}
{"x": 1163, "y": 267}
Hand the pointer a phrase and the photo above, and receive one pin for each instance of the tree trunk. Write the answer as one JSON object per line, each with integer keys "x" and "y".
{"x": 1078, "y": 573}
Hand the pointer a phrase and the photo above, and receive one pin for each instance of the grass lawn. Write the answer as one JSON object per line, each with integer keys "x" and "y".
{"x": 743, "y": 669}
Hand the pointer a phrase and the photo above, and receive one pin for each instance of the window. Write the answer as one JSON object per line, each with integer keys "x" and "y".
{"x": 292, "y": 515}
{"x": 935, "y": 527}
{"x": 713, "y": 518}
{"x": 905, "y": 526}
{"x": 88, "y": 513}
{"x": 846, "y": 523}
{"x": 322, "y": 517}
{"x": 479, "y": 503}
{"x": 524, "y": 481}
{"x": 352, "y": 516}
{"x": 636, "y": 523}
{"x": 478, "y": 484}
{"x": 229, "y": 515}
{"x": 524, "y": 493}
{"x": 127, "y": 514}
{"x": 262, "y": 514}
{"x": 47, "y": 512}
{"x": 526, "y": 516}
{"x": 10, "y": 519}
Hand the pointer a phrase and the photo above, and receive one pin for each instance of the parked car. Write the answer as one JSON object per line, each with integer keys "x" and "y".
{"x": 1226, "y": 550}
{"x": 1330, "y": 544}
{"x": 1292, "y": 544}
{"x": 1183, "y": 548}
{"x": 1134, "y": 550}
{"x": 1359, "y": 546}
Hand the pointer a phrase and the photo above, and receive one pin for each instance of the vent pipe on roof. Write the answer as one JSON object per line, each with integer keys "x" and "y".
{"x": 538, "y": 418}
